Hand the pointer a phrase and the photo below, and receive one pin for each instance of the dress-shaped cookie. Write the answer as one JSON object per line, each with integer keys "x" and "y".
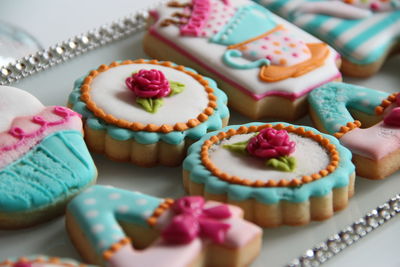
{"x": 146, "y": 111}
{"x": 105, "y": 223}
{"x": 364, "y": 32}
{"x": 372, "y": 137}
{"x": 277, "y": 173}
{"x": 43, "y": 159}
{"x": 266, "y": 65}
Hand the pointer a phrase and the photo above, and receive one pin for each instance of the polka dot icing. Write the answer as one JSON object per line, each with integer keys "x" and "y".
{"x": 98, "y": 209}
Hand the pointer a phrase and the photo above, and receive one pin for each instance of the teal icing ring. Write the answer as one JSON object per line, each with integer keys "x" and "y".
{"x": 214, "y": 122}
{"x": 229, "y": 56}
{"x": 332, "y": 102}
{"x": 268, "y": 195}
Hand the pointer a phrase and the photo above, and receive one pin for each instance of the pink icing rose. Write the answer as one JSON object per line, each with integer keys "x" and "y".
{"x": 270, "y": 143}
{"x": 148, "y": 84}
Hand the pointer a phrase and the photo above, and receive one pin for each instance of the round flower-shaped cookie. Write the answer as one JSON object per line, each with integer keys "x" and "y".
{"x": 277, "y": 173}
{"x": 43, "y": 159}
{"x": 146, "y": 111}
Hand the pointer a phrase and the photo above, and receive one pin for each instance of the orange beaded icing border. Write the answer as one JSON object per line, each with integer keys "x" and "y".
{"x": 52, "y": 260}
{"x": 152, "y": 220}
{"x": 385, "y": 103}
{"x": 324, "y": 142}
{"x": 137, "y": 126}
{"x": 107, "y": 255}
{"x": 345, "y": 129}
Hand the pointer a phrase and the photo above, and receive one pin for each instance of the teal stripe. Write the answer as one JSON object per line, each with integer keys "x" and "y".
{"x": 318, "y": 21}
{"x": 352, "y": 45}
{"x": 276, "y": 6}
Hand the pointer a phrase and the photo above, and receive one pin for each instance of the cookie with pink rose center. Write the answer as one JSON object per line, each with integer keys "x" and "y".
{"x": 147, "y": 111}
{"x": 277, "y": 173}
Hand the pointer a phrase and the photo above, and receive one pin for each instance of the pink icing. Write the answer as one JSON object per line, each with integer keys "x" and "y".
{"x": 148, "y": 84}
{"x": 198, "y": 18}
{"x": 278, "y": 47}
{"x": 26, "y": 132}
{"x": 162, "y": 254}
{"x": 270, "y": 143}
{"x": 393, "y": 117}
{"x": 375, "y": 142}
{"x": 192, "y": 220}
{"x": 289, "y": 95}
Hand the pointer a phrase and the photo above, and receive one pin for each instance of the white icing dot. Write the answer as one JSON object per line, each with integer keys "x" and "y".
{"x": 108, "y": 186}
{"x": 90, "y": 201}
{"x": 92, "y": 213}
{"x": 361, "y": 93}
{"x": 147, "y": 213}
{"x": 365, "y": 102}
{"x": 141, "y": 201}
{"x": 116, "y": 237}
{"x": 102, "y": 244}
{"x": 91, "y": 189}
{"x": 97, "y": 228}
{"x": 337, "y": 127}
{"x": 114, "y": 196}
{"x": 116, "y": 227}
{"x": 123, "y": 208}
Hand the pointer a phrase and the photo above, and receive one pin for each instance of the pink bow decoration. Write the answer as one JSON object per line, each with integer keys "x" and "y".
{"x": 192, "y": 220}
{"x": 393, "y": 117}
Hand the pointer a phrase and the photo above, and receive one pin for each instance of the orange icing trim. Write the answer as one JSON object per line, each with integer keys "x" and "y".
{"x": 137, "y": 126}
{"x": 107, "y": 255}
{"x": 152, "y": 220}
{"x": 319, "y": 53}
{"x": 345, "y": 129}
{"x": 324, "y": 142}
{"x": 386, "y": 103}
{"x": 53, "y": 260}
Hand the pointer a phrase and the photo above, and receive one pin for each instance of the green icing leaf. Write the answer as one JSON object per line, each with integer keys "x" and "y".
{"x": 285, "y": 163}
{"x": 239, "y": 147}
{"x": 176, "y": 88}
{"x": 150, "y": 104}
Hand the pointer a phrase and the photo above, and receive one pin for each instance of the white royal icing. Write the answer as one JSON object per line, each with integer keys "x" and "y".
{"x": 110, "y": 93}
{"x": 310, "y": 158}
{"x": 14, "y": 103}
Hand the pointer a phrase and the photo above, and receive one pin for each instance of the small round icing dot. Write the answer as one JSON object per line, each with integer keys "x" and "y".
{"x": 98, "y": 228}
{"x": 365, "y": 102}
{"x": 92, "y": 214}
{"x": 361, "y": 93}
{"x": 91, "y": 189}
{"x": 116, "y": 237}
{"x": 147, "y": 213}
{"x": 141, "y": 201}
{"x": 114, "y": 196}
{"x": 90, "y": 201}
{"x": 102, "y": 244}
{"x": 123, "y": 208}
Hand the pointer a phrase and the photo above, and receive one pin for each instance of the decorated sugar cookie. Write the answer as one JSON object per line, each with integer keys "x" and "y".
{"x": 43, "y": 159}
{"x": 267, "y": 70}
{"x": 108, "y": 224}
{"x": 146, "y": 111}
{"x": 373, "y": 137}
{"x": 277, "y": 173}
{"x": 42, "y": 261}
{"x": 364, "y": 32}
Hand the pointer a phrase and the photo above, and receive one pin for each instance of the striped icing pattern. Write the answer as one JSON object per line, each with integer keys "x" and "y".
{"x": 361, "y": 41}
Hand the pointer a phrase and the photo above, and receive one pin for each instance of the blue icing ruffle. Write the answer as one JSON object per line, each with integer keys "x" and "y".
{"x": 268, "y": 195}
{"x": 57, "y": 168}
{"x": 214, "y": 122}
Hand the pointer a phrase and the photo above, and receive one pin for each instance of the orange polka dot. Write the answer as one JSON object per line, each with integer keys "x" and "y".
{"x": 277, "y": 52}
{"x": 306, "y": 51}
{"x": 282, "y": 61}
{"x": 292, "y": 45}
{"x": 276, "y": 43}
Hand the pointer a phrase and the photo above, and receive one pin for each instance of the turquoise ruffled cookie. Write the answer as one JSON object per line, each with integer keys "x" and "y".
{"x": 43, "y": 159}
{"x": 146, "y": 111}
{"x": 42, "y": 261}
{"x": 365, "y": 121}
{"x": 278, "y": 173}
{"x": 364, "y": 32}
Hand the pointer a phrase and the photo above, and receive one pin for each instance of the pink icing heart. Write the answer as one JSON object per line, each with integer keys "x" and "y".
{"x": 393, "y": 118}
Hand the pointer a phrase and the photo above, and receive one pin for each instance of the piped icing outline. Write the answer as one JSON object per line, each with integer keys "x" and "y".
{"x": 44, "y": 260}
{"x": 315, "y": 25}
{"x": 136, "y": 126}
{"x": 153, "y": 31}
{"x": 100, "y": 209}
{"x": 380, "y": 109}
{"x": 268, "y": 195}
{"x": 332, "y": 102}
{"x": 213, "y": 122}
{"x": 324, "y": 142}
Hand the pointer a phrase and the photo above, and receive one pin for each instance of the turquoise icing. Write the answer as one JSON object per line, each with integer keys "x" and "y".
{"x": 348, "y": 48}
{"x": 214, "y": 121}
{"x": 229, "y": 56}
{"x": 268, "y": 195}
{"x": 241, "y": 26}
{"x": 99, "y": 209}
{"x": 55, "y": 169}
{"x": 332, "y": 102}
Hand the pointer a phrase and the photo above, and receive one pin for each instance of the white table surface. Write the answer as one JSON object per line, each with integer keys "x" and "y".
{"x": 53, "y": 86}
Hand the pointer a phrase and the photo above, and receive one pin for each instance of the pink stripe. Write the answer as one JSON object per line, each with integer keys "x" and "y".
{"x": 291, "y": 96}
